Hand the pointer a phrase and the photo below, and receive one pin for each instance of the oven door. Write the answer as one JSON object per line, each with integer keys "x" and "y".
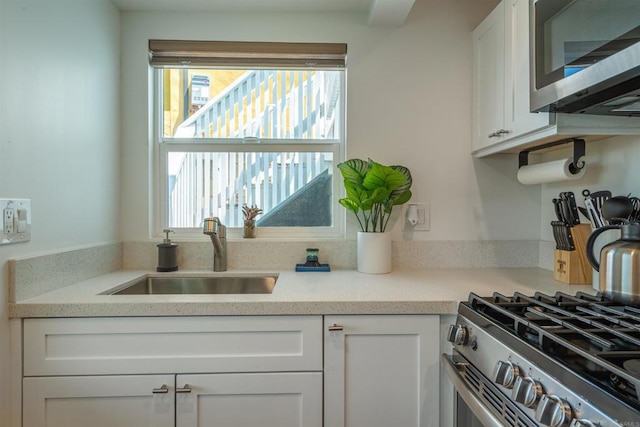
{"x": 478, "y": 401}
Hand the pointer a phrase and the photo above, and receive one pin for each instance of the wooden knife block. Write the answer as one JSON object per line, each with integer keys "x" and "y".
{"x": 572, "y": 267}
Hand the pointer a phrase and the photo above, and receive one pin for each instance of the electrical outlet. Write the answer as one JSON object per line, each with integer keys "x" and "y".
{"x": 16, "y": 221}
{"x": 423, "y": 217}
{"x": 8, "y": 214}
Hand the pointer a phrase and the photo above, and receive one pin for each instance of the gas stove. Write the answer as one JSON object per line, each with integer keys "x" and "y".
{"x": 556, "y": 360}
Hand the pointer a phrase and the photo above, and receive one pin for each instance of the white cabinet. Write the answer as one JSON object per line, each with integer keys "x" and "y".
{"x": 501, "y": 77}
{"x": 290, "y": 399}
{"x": 232, "y": 371}
{"x": 238, "y": 371}
{"x": 501, "y": 117}
{"x": 381, "y": 371}
{"x": 101, "y": 401}
{"x": 488, "y": 80}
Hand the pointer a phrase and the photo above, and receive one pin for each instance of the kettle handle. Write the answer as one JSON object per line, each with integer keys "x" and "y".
{"x": 591, "y": 241}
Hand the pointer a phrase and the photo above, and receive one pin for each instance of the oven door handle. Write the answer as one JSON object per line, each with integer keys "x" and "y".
{"x": 484, "y": 415}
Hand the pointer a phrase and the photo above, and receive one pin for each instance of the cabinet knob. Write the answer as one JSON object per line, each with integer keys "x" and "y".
{"x": 163, "y": 389}
{"x": 335, "y": 327}
{"x": 185, "y": 389}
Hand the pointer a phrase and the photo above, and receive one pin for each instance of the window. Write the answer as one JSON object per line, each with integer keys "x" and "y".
{"x": 249, "y": 124}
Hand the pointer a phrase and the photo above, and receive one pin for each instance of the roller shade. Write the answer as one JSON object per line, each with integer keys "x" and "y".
{"x": 194, "y": 53}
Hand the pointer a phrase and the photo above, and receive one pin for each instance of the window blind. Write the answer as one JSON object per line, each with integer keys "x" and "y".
{"x": 196, "y": 53}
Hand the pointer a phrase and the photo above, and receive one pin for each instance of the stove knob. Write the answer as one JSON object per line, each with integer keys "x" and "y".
{"x": 458, "y": 334}
{"x": 527, "y": 391}
{"x": 553, "y": 411}
{"x": 505, "y": 373}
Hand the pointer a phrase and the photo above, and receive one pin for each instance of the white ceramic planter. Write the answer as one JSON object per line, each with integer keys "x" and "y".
{"x": 374, "y": 252}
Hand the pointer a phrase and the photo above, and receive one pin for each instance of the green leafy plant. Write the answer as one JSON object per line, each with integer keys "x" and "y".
{"x": 373, "y": 190}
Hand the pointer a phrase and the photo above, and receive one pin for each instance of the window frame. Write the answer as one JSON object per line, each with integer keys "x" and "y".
{"x": 162, "y": 145}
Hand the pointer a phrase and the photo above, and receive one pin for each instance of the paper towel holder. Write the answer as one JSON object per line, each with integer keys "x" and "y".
{"x": 579, "y": 152}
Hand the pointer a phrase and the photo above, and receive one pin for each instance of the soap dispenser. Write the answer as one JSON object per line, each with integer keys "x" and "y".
{"x": 167, "y": 254}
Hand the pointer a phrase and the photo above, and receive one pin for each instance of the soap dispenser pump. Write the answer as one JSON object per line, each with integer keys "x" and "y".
{"x": 167, "y": 253}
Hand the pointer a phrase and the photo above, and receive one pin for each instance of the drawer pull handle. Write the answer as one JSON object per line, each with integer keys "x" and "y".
{"x": 498, "y": 133}
{"x": 335, "y": 327}
{"x": 185, "y": 389}
{"x": 162, "y": 389}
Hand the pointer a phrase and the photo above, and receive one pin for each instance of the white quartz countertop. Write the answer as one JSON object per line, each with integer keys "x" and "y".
{"x": 424, "y": 291}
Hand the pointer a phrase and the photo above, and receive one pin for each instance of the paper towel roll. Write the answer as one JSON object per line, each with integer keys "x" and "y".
{"x": 557, "y": 170}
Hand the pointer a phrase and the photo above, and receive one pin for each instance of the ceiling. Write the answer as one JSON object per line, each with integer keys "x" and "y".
{"x": 380, "y": 12}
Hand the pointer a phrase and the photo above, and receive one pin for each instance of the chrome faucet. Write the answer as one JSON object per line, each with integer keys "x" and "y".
{"x": 218, "y": 233}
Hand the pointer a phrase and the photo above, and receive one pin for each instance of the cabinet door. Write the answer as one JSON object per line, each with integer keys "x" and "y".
{"x": 519, "y": 120}
{"x": 381, "y": 371}
{"x": 488, "y": 80}
{"x": 107, "y": 401}
{"x": 290, "y": 399}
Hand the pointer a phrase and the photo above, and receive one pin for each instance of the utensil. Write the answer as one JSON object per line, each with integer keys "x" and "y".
{"x": 594, "y": 214}
{"x": 635, "y": 214}
{"x": 585, "y": 213}
{"x": 617, "y": 208}
{"x": 593, "y": 202}
{"x": 570, "y": 199}
{"x": 619, "y": 263}
{"x": 598, "y": 197}
{"x": 568, "y": 237}
{"x": 556, "y": 234}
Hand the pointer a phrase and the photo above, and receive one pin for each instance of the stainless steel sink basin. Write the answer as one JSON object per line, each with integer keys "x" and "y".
{"x": 199, "y": 285}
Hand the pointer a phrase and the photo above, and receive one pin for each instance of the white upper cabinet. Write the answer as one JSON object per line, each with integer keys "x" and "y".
{"x": 501, "y": 117}
{"x": 488, "y": 80}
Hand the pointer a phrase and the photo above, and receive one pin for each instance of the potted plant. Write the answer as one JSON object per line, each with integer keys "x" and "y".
{"x": 250, "y": 213}
{"x": 372, "y": 190}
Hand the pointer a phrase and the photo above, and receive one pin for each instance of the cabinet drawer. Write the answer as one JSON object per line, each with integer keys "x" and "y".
{"x": 140, "y": 345}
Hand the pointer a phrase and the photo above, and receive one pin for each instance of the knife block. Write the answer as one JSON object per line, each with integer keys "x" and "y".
{"x": 572, "y": 267}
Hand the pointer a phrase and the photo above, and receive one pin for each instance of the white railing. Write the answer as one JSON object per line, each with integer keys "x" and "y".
{"x": 260, "y": 104}
{"x": 263, "y": 179}
{"x": 273, "y": 104}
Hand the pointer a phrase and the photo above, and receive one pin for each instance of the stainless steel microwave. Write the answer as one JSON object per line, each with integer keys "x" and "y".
{"x": 585, "y": 56}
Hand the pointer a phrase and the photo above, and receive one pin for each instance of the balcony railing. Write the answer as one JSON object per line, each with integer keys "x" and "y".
{"x": 261, "y": 104}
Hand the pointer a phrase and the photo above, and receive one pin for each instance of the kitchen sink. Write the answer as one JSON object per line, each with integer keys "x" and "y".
{"x": 199, "y": 285}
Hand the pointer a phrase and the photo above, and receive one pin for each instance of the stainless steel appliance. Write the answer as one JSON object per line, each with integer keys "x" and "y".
{"x": 619, "y": 265}
{"x": 545, "y": 360}
{"x": 585, "y": 56}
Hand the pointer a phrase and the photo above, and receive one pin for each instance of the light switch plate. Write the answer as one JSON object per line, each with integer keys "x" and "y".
{"x": 16, "y": 221}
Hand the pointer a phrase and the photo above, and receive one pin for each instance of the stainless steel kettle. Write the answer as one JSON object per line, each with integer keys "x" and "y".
{"x": 619, "y": 265}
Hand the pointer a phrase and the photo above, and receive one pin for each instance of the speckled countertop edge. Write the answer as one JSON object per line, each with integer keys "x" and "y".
{"x": 405, "y": 291}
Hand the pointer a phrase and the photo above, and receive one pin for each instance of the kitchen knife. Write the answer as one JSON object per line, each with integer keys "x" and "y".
{"x": 585, "y": 213}
{"x": 572, "y": 207}
{"x": 556, "y": 236}
{"x": 557, "y": 207}
{"x": 566, "y": 230}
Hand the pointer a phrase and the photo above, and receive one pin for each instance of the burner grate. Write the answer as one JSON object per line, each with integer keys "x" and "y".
{"x": 588, "y": 334}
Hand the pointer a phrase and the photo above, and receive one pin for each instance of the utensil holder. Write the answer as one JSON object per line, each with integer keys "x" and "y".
{"x": 572, "y": 267}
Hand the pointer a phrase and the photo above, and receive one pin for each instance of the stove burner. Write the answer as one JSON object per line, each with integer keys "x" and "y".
{"x": 632, "y": 365}
{"x": 595, "y": 339}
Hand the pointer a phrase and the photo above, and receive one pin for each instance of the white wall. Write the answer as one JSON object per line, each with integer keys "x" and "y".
{"x": 408, "y": 102}
{"x": 59, "y": 130}
{"x": 612, "y": 164}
